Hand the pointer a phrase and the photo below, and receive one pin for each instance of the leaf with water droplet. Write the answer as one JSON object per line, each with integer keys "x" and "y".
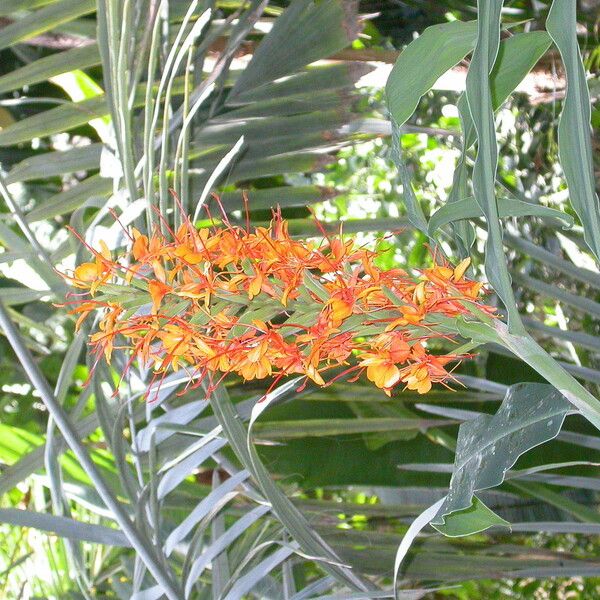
{"x": 530, "y": 414}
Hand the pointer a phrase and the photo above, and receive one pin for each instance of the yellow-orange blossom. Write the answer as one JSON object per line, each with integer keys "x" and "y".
{"x": 263, "y": 305}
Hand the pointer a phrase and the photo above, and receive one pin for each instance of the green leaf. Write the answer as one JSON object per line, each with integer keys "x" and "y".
{"x": 574, "y": 129}
{"x": 517, "y": 55}
{"x": 414, "y": 211}
{"x": 259, "y": 129}
{"x": 317, "y": 78}
{"x": 297, "y": 195}
{"x": 43, "y": 20}
{"x": 488, "y": 446}
{"x": 329, "y": 427}
{"x": 56, "y": 120}
{"x": 479, "y": 99}
{"x": 289, "y": 515}
{"x": 551, "y": 290}
{"x": 468, "y": 208}
{"x": 65, "y": 117}
{"x": 424, "y": 60}
{"x": 297, "y": 40}
{"x": 478, "y": 517}
{"x": 12, "y": 296}
{"x": 10, "y": 6}
{"x": 64, "y": 527}
{"x": 73, "y": 198}
{"x": 49, "y": 66}
{"x": 299, "y": 162}
{"x": 51, "y": 164}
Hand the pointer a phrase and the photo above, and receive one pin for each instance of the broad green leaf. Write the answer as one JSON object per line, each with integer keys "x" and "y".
{"x": 50, "y": 66}
{"x": 574, "y": 129}
{"x": 488, "y": 446}
{"x": 424, "y": 60}
{"x": 528, "y": 350}
{"x": 477, "y": 517}
{"x": 468, "y": 208}
{"x": 43, "y": 20}
{"x": 517, "y": 55}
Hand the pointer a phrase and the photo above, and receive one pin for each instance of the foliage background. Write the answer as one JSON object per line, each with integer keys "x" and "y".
{"x": 358, "y": 466}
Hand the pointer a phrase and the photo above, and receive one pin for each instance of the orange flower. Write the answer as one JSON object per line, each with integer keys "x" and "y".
{"x": 91, "y": 275}
{"x": 206, "y": 288}
{"x": 157, "y": 290}
{"x": 427, "y": 369}
{"x": 389, "y": 350}
{"x": 177, "y": 344}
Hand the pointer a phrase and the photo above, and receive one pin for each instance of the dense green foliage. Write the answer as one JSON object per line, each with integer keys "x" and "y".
{"x": 107, "y": 104}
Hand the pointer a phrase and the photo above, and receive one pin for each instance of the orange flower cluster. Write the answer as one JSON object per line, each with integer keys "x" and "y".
{"x": 261, "y": 304}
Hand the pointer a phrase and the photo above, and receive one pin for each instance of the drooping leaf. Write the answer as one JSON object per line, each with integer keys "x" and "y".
{"x": 479, "y": 98}
{"x": 517, "y": 55}
{"x": 574, "y": 129}
{"x": 488, "y": 446}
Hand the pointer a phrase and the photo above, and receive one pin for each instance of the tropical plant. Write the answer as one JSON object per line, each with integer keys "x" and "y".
{"x": 245, "y": 489}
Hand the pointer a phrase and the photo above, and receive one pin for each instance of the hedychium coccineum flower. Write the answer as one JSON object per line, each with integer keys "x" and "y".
{"x": 263, "y": 305}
